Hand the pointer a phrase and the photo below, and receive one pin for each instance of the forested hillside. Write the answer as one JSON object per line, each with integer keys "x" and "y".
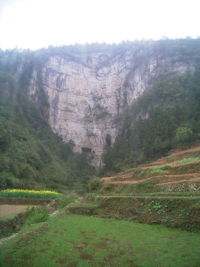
{"x": 31, "y": 155}
{"x": 164, "y": 117}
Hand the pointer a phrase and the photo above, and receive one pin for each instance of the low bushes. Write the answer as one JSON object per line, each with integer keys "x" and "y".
{"x": 182, "y": 212}
{"x": 65, "y": 200}
{"x": 83, "y": 208}
{"x": 36, "y": 215}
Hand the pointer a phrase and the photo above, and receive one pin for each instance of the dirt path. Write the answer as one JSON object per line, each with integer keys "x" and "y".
{"x": 126, "y": 181}
{"x": 164, "y": 160}
{"x": 8, "y": 210}
{"x": 2, "y": 240}
{"x": 189, "y": 150}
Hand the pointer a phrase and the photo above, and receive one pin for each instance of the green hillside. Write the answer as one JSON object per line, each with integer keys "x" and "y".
{"x": 31, "y": 155}
{"x": 164, "y": 117}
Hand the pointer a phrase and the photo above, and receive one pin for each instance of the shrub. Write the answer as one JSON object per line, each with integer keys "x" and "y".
{"x": 7, "y": 180}
{"x": 37, "y": 215}
{"x": 183, "y": 134}
{"x": 66, "y": 200}
{"x": 94, "y": 184}
{"x": 91, "y": 197}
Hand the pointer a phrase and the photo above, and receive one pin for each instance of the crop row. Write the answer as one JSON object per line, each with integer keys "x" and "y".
{"x": 21, "y": 193}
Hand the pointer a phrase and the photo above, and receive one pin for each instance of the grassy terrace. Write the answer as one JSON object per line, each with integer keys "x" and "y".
{"x": 155, "y": 194}
{"x": 151, "y": 196}
{"x": 74, "y": 240}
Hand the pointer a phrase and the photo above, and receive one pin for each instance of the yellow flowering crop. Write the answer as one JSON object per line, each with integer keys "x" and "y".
{"x": 24, "y": 193}
{"x": 31, "y": 191}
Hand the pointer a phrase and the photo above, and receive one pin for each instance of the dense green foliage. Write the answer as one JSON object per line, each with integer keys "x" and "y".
{"x": 31, "y": 155}
{"x": 166, "y": 116}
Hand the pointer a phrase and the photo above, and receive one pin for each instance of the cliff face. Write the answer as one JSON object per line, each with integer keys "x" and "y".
{"x": 87, "y": 91}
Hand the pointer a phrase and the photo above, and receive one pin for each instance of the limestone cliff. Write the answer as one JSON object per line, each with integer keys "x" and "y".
{"x": 88, "y": 90}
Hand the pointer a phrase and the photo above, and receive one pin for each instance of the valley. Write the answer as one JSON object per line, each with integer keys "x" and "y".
{"x": 100, "y": 155}
{"x": 108, "y": 226}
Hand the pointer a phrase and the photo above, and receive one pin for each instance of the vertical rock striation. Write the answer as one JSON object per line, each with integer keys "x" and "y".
{"x": 87, "y": 91}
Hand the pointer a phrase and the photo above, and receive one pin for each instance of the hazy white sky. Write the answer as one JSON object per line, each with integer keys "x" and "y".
{"x": 40, "y": 23}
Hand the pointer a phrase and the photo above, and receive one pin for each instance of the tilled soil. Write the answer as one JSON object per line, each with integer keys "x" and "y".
{"x": 8, "y": 210}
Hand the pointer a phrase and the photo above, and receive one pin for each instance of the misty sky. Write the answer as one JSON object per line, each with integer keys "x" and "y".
{"x": 40, "y": 23}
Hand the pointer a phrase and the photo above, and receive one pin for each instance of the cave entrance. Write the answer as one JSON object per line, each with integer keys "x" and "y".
{"x": 86, "y": 149}
{"x": 108, "y": 140}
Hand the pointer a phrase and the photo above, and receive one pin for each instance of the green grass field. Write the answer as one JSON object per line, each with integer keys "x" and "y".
{"x": 83, "y": 241}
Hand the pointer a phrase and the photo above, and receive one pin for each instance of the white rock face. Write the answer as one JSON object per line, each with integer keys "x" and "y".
{"x": 86, "y": 94}
{"x": 84, "y": 101}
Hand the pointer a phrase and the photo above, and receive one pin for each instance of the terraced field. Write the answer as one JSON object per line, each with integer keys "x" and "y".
{"x": 122, "y": 223}
{"x": 177, "y": 168}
